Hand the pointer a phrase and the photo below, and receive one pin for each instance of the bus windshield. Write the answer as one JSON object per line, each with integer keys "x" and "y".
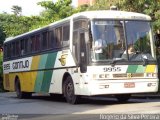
{"x": 121, "y": 40}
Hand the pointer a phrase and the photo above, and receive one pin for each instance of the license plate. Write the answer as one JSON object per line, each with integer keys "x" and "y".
{"x": 129, "y": 85}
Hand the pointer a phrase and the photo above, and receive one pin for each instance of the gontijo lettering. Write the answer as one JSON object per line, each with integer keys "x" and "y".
{"x": 20, "y": 64}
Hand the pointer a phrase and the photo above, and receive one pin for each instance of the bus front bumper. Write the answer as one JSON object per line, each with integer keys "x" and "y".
{"x": 97, "y": 87}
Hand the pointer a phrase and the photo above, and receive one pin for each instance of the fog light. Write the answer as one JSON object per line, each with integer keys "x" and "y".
{"x": 100, "y": 76}
{"x": 154, "y": 74}
{"x": 149, "y": 74}
{"x": 151, "y": 84}
{"x": 103, "y": 86}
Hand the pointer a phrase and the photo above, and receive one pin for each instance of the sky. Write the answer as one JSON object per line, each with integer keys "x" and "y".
{"x": 29, "y": 7}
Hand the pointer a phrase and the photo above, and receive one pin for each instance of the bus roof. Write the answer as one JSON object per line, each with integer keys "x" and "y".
{"x": 100, "y": 14}
{"x": 113, "y": 14}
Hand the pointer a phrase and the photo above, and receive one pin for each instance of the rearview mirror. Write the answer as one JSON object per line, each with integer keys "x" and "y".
{"x": 157, "y": 40}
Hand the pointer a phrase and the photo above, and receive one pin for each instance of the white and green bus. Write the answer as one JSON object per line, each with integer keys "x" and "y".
{"x": 61, "y": 58}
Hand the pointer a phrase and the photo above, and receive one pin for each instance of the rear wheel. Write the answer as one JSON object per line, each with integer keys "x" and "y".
{"x": 19, "y": 93}
{"x": 123, "y": 97}
{"x": 69, "y": 93}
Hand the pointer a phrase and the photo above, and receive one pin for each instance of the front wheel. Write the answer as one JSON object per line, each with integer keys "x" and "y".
{"x": 69, "y": 93}
{"x": 123, "y": 97}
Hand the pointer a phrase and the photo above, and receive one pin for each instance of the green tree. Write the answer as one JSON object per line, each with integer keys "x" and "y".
{"x": 14, "y": 25}
{"x": 150, "y": 7}
{"x": 81, "y": 8}
{"x": 56, "y": 11}
{"x": 17, "y": 10}
{"x": 2, "y": 35}
{"x": 103, "y": 4}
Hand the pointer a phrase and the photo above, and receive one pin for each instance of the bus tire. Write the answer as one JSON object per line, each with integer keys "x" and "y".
{"x": 19, "y": 93}
{"x": 123, "y": 97}
{"x": 69, "y": 93}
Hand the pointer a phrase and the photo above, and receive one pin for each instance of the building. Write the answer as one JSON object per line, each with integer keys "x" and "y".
{"x": 82, "y": 2}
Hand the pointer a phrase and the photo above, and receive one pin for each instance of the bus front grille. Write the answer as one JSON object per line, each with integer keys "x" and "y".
{"x": 128, "y": 75}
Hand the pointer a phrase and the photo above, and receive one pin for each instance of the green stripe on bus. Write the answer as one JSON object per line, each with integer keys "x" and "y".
{"x": 51, "y": 60}
{"x": 132, "y": 68}
{"x": 140, "y": 69}
{"x": 46, "y": 81}
{"x": 38, "y": 82}
{"x": 48, "y": 74}
{"x": 40, "y": 74}
{"x": 42, "y": 62}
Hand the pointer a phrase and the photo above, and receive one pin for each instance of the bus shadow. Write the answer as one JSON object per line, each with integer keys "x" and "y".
{"x": 96, "y": 100}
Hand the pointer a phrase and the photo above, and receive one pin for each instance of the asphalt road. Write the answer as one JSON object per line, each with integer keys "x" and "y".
{"x": 43, "y": 107}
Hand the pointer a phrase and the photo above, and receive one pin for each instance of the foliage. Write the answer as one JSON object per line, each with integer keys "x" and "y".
{"x": 103, "y": 4}
{"x": 56, "y": 11}
{"x": 14, "y": 25}
{"x": 150, "y": 7}
{"x": 17, "y": 10}
{"x": 2, "y": 35}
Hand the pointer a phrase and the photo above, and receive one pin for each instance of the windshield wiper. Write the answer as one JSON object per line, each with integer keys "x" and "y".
{"x": 144, "y": 59}
{"x": 112, "y": 62}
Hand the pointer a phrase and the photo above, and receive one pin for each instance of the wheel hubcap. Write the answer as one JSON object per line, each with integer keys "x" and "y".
{"x": 69, "y": 89}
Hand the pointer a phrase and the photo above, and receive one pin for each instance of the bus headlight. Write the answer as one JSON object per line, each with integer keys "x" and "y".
{"x": 151, "y": 84}
{"x": 151, "y": 74}
{"x": 154, "y": 74}
{"x": 100, "y": 76}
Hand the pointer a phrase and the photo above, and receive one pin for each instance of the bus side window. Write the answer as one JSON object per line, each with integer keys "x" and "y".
{"x": 58, "y": 37}
{"x": 37, "y": 43}
{"x": 77, "y": 25}
{"x": 66, "y": 33}
{"x": 33, "y": 43}
{"x": 9, "y": 50}
{"x": 13, "y": 49}
{"x": 51, "y": 39}
{"x": 44, "y": 40}
{"x": 76, "y": 45}
{"x": 17, "y": 48}
{"x": 22, "y": 46}
{"x": 29, "y": 45}
{"x": 26, "y": 47}
{"x": 6, "y": 51}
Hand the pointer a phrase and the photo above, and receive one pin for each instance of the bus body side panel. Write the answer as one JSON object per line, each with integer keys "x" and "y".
{"x": 36, "y": 74}
{"x": 57, "y": 77}
{"x": 8, "y": 82}
{"x": 64, "y": 63}
{"x": 27, "y": 80}
{"x": 16, "y": 68}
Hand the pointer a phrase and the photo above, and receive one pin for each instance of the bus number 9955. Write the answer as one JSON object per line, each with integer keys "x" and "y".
{"x": 112, "y": 69}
